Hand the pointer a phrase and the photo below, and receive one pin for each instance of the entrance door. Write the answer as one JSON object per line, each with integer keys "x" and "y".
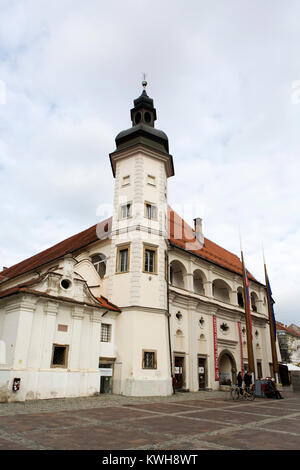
{"x": 106, "y": 372}
{"x": 178, "y": 370}
{"x": 202, "y": 372}
{"x": 259, "y": 370}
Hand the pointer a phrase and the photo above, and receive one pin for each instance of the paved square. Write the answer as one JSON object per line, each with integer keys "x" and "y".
{"x": 191, "y": 421}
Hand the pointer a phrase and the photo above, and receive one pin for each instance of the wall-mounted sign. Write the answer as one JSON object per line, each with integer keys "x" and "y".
{"x": 105, "y": 372}
{"x": 201, "y": 370}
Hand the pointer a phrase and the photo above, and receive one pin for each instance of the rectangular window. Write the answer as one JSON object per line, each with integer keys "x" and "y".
{"x": 126, "y": 211}
{"x": 122, "y": 259}
{"x": 150, "y": 260}
{"x": 105, "y": 333}
{"x": 126, "y": 180}
{"x": 59, "y": 356}
{"x": 150, "y": 211}
{"x": 151, "y": 180}
{"x": 149, "y": 360}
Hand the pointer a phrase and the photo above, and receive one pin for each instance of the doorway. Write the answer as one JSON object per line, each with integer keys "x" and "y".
{"x": 202, "y": 372}
{"x": 179, "y": 372}
{"x": 227, "y": 368}
{"x": 106, "y": 375}
{"x": 259, "y": 370}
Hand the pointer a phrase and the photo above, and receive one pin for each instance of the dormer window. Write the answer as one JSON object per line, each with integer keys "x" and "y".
{"x": 99, "y": 262}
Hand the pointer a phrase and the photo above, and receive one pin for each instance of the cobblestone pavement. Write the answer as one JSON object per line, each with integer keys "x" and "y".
{"x": 185, "y": 421}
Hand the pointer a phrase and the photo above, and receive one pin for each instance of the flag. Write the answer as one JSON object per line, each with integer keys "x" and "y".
{"x": 247, "y": 285}
{"x": 272, "y": 322}
{"x": 248, "y": 317}
{"x": 272, "y": 302}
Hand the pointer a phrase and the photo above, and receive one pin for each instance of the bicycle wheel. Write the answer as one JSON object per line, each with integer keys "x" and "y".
{"x": 235, "y": 394}
{"x": 250, "y": 396}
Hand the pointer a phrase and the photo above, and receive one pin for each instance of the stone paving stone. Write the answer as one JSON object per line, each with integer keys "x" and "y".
{"x": 205, "y": 403}
{"x": 174, "y": 425}
{"x": 255, "y": 439}
{"x": 291, "y": 425}
{"x": 274, "y": 411}
{"x": 186, "y": 445}
{"x": 162, "y": 407}
{"x": 117, "y": 422}
{"x": 233, "y": 417}
{"x": 263, "y": 410}
{"x": 101, "y": 437}
{"x": 30, "y": 422}
{"x": 9, "y": 445}
{"x": 109, "y": 414}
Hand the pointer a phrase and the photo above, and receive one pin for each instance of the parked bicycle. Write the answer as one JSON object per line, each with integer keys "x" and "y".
{"x": 246, "y": 393}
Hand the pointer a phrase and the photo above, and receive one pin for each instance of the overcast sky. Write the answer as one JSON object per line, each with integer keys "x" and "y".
{"x": 225, "y": 79}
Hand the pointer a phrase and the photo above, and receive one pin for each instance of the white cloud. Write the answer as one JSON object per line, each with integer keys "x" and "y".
{"x": 221, "y": 75}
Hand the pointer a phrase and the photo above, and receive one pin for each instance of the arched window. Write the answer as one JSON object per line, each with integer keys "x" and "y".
{"x": 198, "y": 282}
{"x": 220, "y": 290}
{"x": 99, "y": 262}
{"x": 240, "y": 297}
{"x": 177, "y": 271}
{"x": 254, "y": 300}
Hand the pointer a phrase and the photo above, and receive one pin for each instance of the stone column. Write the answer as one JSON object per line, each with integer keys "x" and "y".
{"x": 50, "y": 310}
{"x": 95, "y": 331}
{"x": 27, "y": 307}
{"x": 77, "y": 316}
{"x": 188, "y": 282}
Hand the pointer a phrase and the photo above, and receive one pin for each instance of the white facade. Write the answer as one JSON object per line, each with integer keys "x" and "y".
{"x": 60, "y": 335}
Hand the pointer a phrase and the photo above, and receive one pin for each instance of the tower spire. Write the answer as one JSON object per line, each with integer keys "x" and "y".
{"x": 144, "y": 82}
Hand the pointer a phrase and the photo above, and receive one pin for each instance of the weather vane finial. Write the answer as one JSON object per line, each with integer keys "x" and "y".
{"x": 144, "y": 82}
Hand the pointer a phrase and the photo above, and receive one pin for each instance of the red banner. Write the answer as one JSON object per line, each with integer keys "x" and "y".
{"x": 216, "y": 348}
{"x": 241, "y": 347}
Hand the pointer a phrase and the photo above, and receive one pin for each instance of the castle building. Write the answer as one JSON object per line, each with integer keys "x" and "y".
{"x": 135, "y": 305}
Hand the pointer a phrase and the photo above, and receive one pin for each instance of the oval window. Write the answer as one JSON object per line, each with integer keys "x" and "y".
{"x": 147, "y": 117}
{"x": 137, "y": 118}
{"x": 65, "y": 283}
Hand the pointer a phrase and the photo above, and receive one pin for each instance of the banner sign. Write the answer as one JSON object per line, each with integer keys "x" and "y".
{"x": 105, "y": 372}
{"x": 241, "y": 346}
{"x": 216, "y": 348}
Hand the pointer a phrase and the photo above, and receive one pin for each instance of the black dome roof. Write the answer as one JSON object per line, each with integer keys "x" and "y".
{"x": 143, "y": 116}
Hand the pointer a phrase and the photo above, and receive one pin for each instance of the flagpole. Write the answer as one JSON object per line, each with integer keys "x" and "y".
{"x": 271, "y": 325}
{"x": 251, "y": 366}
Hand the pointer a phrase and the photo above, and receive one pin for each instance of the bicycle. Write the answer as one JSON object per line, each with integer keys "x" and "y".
{"x": 247, "y": 393}
{"x": 235, "y": 392}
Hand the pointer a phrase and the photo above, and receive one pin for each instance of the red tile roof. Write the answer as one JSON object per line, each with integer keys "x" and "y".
{"x": 106, "y": 304}
{"x": 180, "y": 235}
{"x": 59, "y": 250}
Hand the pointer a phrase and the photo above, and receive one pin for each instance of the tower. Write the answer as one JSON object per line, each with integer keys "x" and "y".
{"x": 141, "y": 165}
